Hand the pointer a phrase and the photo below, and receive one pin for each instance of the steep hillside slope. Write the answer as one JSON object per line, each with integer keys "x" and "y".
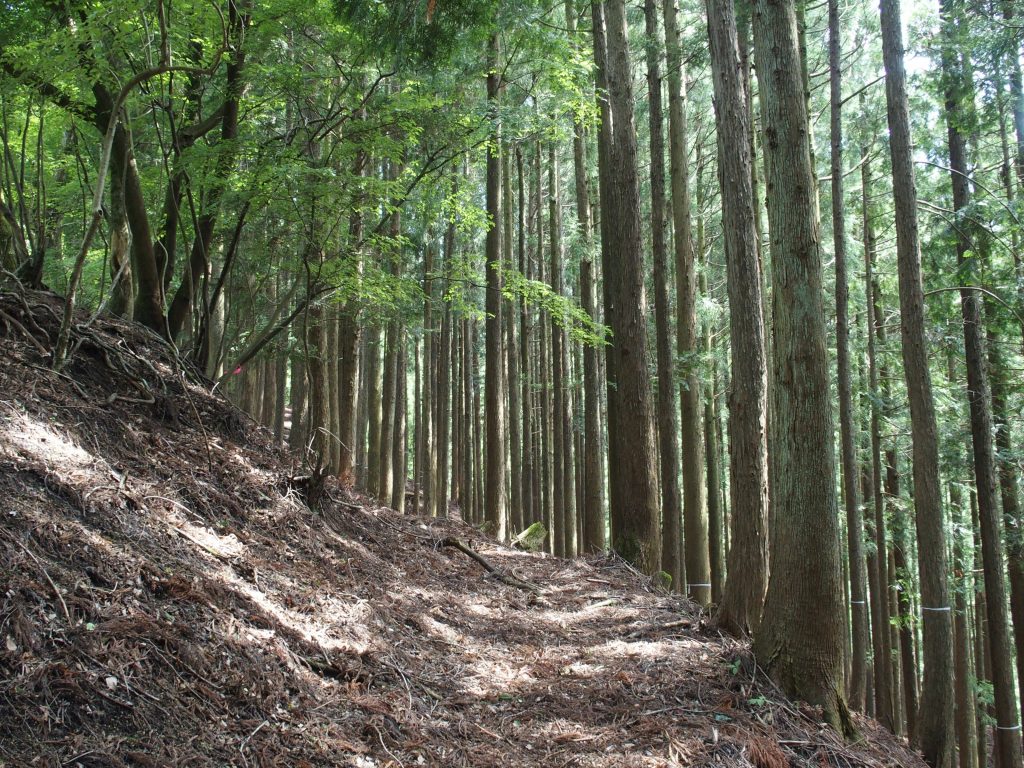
{"x": 168, "y": 599}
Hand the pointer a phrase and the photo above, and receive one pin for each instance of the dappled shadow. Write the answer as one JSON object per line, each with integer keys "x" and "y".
{"x": 170, "y": 601}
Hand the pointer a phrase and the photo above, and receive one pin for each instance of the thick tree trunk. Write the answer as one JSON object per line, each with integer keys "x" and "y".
{"x": 800, "y": 640}
{"x": 746, "y": 582}
{"x": 634, "y": 513}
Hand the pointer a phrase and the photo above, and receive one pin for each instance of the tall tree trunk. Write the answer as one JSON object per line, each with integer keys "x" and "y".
{"x": 510, "y": 320}
{"x": 316, "y": 370}
{"x": 398, "y": 442}
{"x": 426, "y": 436}
{"x": 695, "y": 522}
{"x": 495, "y": 510}
{"x": 800, "y": 639}
{"x": 958, "y": 89}
{"x": 746, "y": 582}
{"x": 525, "y": 357}
{"x": 634, "y": 513}
{"x": 965, "y": 683}
{"x": 668, "y": 422}
{"x": 935, "y": 722}
{"x": 854, "y": 524}
{"x": 591, "y": 512}
{"x": 374, "y": 409}
{"x": 387, "y": 420}
{"x": 444, "y": 379}
{"x": 878, "y": 570}
{"x": 560, "y": 441}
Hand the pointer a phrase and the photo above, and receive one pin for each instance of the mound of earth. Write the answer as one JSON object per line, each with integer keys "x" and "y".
{"x": 169, "y": 599}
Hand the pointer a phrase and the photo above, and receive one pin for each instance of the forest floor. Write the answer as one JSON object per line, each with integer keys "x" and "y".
{"x": 170, "y": 599}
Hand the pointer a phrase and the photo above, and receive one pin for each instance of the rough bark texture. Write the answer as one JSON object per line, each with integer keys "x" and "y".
{"x": 935, "y": 726}
{"x": 668, "y": 422}
{"x": 957, "y": 91}
{"x": 695, "y": 521}
{"x": 495, "y": 512}
{"x": 745, "y": 585}
{"x": 634, "y": 512}
{"x": 854, "y": 524}
{"x": 799, "y": 641}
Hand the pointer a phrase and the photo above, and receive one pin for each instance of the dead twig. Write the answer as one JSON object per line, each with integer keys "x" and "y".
{"x": 60, "y": 597}
{"x": 497, "y": 573}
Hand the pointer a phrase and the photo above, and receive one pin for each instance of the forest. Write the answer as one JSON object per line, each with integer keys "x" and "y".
{"x": 733, "y": 290}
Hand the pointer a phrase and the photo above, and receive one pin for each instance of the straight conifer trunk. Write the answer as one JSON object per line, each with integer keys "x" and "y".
{"x": 634, "y": 512}
{"x": 695, "y": 520}
{"x": 854, "y": 523}
{"x": 935, "y": 721}
{"x": 668, "y": 422}
{"x": 800, "y": 641}
{"x": 957, "y": 91}
{"x": 746, "y": 582}
{"x": 494, "y": 510}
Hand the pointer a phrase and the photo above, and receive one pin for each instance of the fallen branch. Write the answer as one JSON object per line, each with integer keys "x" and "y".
{"x": 497, "y": 573}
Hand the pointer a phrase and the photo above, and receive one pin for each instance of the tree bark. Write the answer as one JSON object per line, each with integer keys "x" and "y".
{"x": 747, "y": 575}
{"x": 957, "y": 91}
{"x": 634, "y": 513}
{"x": 800, "y": 640}
{"x": 695, "y": 521}
{"x": 495, "y": 511}
{"x": 668, "y": 422}
{"x": 854, "y": 523}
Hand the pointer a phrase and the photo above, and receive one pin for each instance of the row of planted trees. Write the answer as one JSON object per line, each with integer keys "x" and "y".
{"x": 421, "y": 241}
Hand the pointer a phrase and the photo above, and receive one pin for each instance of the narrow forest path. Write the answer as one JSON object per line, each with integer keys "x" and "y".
{"x": 169, "y": 600}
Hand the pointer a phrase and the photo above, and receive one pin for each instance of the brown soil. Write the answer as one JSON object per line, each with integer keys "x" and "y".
{"x": 168, "y": 599}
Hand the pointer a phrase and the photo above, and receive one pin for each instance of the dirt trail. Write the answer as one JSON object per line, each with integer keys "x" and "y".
{"x": 170, "y": 600}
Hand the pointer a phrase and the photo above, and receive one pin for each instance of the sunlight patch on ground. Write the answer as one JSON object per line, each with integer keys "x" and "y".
{"x": 37, "y": 440}
{"x": 642, "y": 649}
{"x": 489, "y": 677}
{"x": 210, "y": 541}
{"x": 335, "y": 626}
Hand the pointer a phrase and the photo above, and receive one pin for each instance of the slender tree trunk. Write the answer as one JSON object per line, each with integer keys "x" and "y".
{"x": 495, "y": 510}
{"x": 374, "y": 410}
{"x": 668, "y": 422}
{"x": 965, "y": 684}
{"x": 444, "y": 379}
{"x": 398, "y": 443}
{"x": 525, "y": 368}
{"x": 957, "y": 91}
{"x": 389, "y": 390}
{"x": 510, "y": 320}
{"x": 800, "y": 639}
{"x": 695, "y": 522}
{"x": 746, "y": 582}
{"x": 426, "y": 404}
{"x": 560, "y": 441}
{"x": 936, "y": 717}
{"x": 858, "y": 600}
{"x": 982, "y": 657}
{"x": 316, "y": 369}
{"x": 634, "y": 514}
{"x": 591, "y": 511}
